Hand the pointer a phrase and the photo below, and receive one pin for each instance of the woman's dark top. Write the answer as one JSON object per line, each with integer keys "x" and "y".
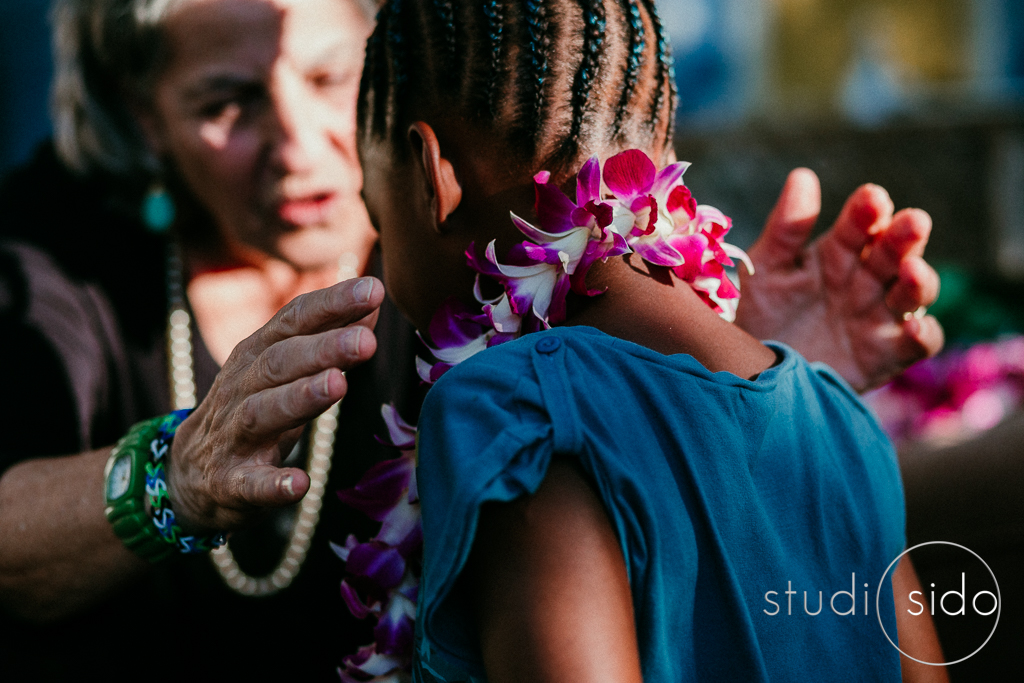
{"x": 83, "y": 315}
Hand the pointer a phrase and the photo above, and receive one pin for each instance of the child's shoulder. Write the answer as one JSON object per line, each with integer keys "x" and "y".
{"x": 506, "y": 364}
{"x": 590, "y": 356}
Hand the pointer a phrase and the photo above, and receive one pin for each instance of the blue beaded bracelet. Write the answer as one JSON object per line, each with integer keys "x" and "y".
{"x": 156, "y": 492}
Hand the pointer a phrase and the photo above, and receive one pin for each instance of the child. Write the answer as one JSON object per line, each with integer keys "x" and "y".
{"x": 620, "y": 497}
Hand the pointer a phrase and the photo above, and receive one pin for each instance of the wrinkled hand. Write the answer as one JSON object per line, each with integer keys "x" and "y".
{"x": 226, "y": 456}
{"x": 842, "y": 300}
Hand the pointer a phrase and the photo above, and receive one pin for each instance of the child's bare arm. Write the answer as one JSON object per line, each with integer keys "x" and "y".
{"x": 549, "y": 581}
{"x": 916, "y": 633}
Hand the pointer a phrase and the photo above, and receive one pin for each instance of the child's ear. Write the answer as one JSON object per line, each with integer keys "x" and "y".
{"x": 446, "y": 192}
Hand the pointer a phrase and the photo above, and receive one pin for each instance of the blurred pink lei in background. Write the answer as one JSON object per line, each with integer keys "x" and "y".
{"x": 954, "y": 396}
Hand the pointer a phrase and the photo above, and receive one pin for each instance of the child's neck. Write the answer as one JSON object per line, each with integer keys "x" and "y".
{"x": 647, "y": 306}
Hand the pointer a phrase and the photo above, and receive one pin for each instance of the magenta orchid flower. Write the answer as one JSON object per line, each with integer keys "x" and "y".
{"x": 573, "y": 234}
{"x": 641, "y": 209}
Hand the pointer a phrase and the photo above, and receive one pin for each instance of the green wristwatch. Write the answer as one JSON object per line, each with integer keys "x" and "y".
{"x": 124, "y": 491}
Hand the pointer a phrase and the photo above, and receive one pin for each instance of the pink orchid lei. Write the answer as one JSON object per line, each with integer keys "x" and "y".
{"x": 647, "y": 212}
{"x": 644, "y": 211}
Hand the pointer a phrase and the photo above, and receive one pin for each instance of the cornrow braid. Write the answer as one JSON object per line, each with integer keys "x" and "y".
{"x": 493, "y": 11}
{"x": 375, "y": 78}
{"x": 537, "y": 52}
{"x": 664, "y": 66}
{"x": 397, "y": 49}
{"x": 634, "y": 63}
{"x": 595, "y": 24}
{"x": 446, "y": 15}
{"x": 512, "y": 60}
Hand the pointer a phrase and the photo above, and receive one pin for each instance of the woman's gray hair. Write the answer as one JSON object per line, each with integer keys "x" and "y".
{"x": 107, "y": 53}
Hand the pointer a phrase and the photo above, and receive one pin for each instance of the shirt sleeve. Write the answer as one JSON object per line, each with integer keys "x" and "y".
{"x": 58, "y": 374}
{"x": 484, "y": 436}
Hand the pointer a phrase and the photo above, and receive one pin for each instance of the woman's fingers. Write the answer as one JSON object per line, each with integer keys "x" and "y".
{"x": 906, "y": 237}
{"x": 268, "y": 486}
{"x": 868, "y": 211}
{"x": 263, "y": 416}
{"x": 868, "y": 208}
{"x": 352, "y": 301}
{"x": 226, "y": 455}
{"x": 291, "y": 359}
{"x": 790, "y": 224}
{"x": 917, "y": 285}
{"x": 921, "y": 338}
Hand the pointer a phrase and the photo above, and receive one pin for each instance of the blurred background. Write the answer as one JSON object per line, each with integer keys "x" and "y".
{"x": 924, "y": 97}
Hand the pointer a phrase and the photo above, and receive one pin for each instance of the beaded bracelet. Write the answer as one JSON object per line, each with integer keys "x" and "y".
{"x": 156, "y": 492}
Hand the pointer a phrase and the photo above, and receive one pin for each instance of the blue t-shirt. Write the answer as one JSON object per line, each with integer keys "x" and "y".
{"x": 724, "y": 494}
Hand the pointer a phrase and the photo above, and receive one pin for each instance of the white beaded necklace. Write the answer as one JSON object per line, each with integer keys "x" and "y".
{"x": 183, "y": 395}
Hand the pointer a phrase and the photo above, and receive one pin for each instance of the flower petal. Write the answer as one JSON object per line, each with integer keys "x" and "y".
{"x": 667, "y": 178}
{"x": 380, "y": 563}
{"x": 401, "y": 526}
{"x": 373, "y": 663}
{"x": 553, "y": 208}
{"x": 588, "y": 182}
{"x": 343, "y": 550}
{"x": 502, "y": 317}
{"x": 355, "y": 605}
{"x": 692, "y": 248}
{"x": 659, "y": 252}
{"x": 556, "y": 309}
{"x": 394, "y": 632}
{"x": 423, "y": 369}
{"x": 381, "y": 487}
{"x": 402, "y": 434}
{"x": 645, "y": 212}
{"x": 612, "y": 244}
{"x": 629, "y": 174}
{"x": 452, "y": 325}
{"x": 681, "y": 205}
{"x": 738, "y": 253}
{"x": 438, "y": 370}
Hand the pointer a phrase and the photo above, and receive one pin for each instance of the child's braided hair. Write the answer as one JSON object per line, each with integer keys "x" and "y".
{"x": 554, "y": 78}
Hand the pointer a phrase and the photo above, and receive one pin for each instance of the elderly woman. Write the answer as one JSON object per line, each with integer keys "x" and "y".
{"x": 231, "y": 122}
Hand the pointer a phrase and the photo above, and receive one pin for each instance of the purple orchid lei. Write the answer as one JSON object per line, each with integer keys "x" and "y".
{"x": 631, "y": 208}
{"x": 385, "y": 569}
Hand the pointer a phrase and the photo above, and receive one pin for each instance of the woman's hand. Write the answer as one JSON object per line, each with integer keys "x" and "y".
{"x": 226, "y": 456}
{"x": 848, "y": 299}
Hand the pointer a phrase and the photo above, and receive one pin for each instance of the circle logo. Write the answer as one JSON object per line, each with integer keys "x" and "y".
{"x": 960, "y": 589}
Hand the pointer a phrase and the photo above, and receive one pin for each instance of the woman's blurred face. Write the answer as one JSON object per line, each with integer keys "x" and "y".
{"x": 256, "y": 110}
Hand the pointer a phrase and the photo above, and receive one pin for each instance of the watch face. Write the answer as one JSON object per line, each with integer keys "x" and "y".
{"x": 120, "y": 477}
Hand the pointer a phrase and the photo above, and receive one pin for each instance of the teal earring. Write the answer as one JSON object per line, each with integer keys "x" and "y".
{"x": 158, "y": 209}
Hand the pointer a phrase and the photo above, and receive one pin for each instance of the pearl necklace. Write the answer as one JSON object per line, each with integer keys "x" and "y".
{"x": 183, "y": 395}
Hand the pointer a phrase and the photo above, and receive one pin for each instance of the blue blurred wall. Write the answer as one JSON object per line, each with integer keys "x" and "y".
{"x": 25, "y": 70}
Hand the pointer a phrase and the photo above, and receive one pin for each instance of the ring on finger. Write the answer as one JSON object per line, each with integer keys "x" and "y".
{"x": 921, "y": 312}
